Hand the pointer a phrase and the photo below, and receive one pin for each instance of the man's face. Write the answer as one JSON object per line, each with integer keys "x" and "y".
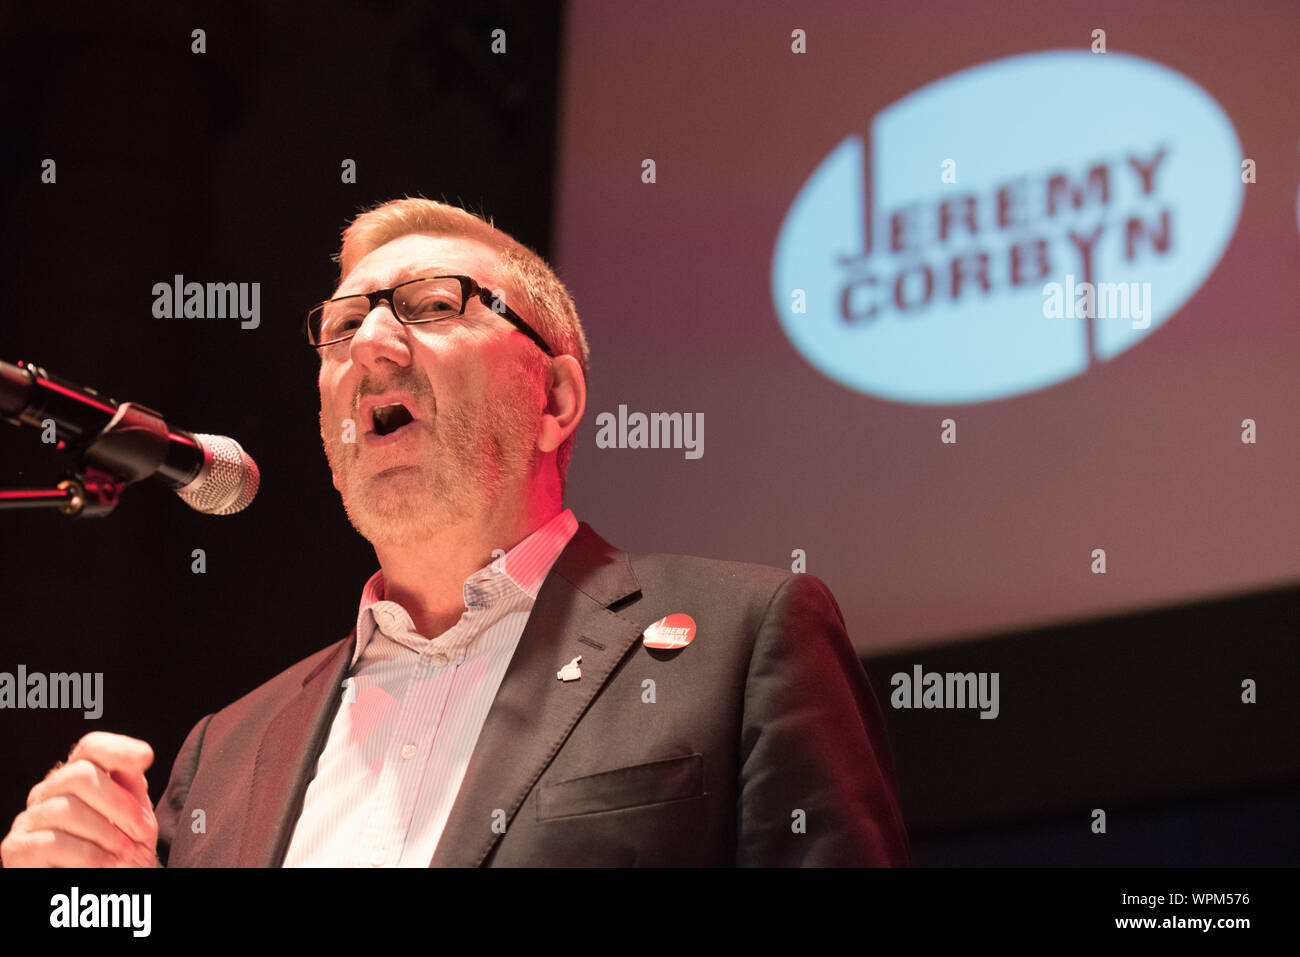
{"x": 476, "y": 412}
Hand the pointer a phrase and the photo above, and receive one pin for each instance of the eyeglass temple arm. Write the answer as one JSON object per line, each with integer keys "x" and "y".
{"x": 487, "y": 298}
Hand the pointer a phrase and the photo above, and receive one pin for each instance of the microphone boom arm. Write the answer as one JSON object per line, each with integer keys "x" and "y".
{"x": 134, "y": 445}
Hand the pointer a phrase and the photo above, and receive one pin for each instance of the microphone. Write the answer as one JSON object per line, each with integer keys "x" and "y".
{"x": 211, "y": 473}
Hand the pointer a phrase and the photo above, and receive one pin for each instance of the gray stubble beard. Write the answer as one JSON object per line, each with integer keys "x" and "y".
{"x": 485, "y": 453}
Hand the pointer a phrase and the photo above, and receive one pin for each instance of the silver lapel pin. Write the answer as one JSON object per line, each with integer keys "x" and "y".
{"x": 571, "y": 671}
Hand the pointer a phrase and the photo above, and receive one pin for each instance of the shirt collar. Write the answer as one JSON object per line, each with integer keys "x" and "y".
{"x": 524, "y": 567}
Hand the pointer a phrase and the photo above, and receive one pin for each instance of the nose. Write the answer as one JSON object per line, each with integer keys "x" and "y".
{"x": 380, "y": 337}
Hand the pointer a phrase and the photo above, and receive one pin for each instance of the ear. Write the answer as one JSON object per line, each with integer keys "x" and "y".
{"x": 566, "y": 400}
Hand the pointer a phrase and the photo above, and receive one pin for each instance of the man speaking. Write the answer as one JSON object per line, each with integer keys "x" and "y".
{"x": 516, "y": 691}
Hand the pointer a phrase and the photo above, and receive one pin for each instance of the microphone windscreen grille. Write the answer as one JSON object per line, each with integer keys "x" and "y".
{"x": 228, "y": 481}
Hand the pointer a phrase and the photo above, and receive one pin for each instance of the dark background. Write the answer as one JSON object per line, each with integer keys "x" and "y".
{"x": 225, "y": 167}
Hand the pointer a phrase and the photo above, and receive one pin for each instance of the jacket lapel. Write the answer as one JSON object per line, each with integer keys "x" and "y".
{"x": 534, "y": 711}
{"x": 286, "y": 760}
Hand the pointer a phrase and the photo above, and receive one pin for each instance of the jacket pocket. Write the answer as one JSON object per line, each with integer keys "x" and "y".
{"x": 670, "y": 779}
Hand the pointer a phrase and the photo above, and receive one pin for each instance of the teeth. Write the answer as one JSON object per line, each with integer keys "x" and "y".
{"x": 389, "y": 418}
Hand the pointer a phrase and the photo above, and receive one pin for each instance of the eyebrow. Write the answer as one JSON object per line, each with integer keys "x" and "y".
{"x": 400, "y": 276}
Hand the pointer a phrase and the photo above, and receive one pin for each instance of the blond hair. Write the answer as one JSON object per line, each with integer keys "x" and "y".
{"x": 539, "y": 297}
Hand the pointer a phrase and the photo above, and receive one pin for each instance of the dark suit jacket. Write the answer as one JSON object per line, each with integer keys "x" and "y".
{"x": 764, "y": 744}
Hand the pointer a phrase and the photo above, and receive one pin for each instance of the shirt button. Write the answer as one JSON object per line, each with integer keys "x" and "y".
{"x": 385, "y": 618}
{"x": 408, "y": 751}
{"x": 439, "y": 660}
{"x": 380, "y": 859}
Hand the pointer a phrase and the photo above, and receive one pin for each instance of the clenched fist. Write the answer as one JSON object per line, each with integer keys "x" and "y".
{"x": 92, "y": 811}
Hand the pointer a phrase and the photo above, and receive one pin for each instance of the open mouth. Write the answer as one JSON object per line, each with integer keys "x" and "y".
{"x": 387, "y": 419}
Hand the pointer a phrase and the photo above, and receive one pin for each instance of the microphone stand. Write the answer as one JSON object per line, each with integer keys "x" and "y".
{"x": 87, "y": 493}
{"x": 128, "y": 449}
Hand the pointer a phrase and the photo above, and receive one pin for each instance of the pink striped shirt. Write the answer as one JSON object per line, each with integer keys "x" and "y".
{"x": 411, "y": 714}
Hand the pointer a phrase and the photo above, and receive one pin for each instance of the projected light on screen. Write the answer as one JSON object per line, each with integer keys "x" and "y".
{"x": 1007, "y": 227}
{"x": 960, "y": 300}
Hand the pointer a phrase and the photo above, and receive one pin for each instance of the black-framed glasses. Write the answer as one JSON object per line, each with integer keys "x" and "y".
{"x": 428, "y": 299}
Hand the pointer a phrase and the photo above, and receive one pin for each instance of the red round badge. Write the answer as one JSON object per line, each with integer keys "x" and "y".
{"x": 670, "y": 632}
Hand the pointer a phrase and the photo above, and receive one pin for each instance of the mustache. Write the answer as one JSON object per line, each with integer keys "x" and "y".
{"x": 414, "y": 382}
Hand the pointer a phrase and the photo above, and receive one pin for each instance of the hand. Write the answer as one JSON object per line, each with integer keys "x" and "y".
{"x": 92, "y": 811}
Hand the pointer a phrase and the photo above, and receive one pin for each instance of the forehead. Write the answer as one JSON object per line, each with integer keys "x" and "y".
{"x": 419, "y": 254}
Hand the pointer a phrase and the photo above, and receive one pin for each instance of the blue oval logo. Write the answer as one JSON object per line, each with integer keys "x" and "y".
{"x": 1008, "y": 227}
